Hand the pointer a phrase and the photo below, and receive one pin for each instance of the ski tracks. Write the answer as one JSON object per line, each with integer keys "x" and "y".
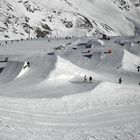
{"x": 78, "y": 120}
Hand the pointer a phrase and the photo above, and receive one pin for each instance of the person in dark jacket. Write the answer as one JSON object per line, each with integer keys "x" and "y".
{"x": 138, "y": 67}
{"x": 85, "y": 78}
{"x": 120, "y": 80}
{"x": 28, "y": 64}
{"x": 90, "y": 79}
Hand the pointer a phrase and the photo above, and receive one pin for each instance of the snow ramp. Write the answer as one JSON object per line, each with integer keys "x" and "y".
{"x": 78, "y": 59}
{"x": 40, "y": 67}
{"x": 10, "y": 71}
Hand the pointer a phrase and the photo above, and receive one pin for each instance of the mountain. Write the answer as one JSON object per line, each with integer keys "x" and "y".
{"x": 61, "y": 18}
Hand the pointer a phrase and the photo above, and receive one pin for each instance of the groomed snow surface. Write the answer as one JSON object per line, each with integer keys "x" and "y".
{"x": 49, "y": 100}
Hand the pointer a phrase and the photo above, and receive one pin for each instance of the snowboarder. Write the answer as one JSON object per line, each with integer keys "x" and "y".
{"x": 120, "y": 80}
{"x": 28, "y": 64}
{"x": 90, "y": 79}
{"x": 138, "y": 67}
{"x": 85, "y": 78}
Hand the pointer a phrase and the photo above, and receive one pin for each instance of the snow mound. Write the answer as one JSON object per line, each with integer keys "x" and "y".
{"x": 130, "y": 61}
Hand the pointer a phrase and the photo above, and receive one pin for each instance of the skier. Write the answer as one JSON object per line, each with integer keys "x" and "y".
{"x": 28, "y": 64}
{"x": 85, "y": 78}
{"x": 138, "y": 67}
{"x": 90, "y": 79}
{"x": 120, "y": 80}
{"x": 139, "y": 83}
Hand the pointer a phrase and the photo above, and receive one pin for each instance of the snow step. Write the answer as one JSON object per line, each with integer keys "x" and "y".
{"x": 5, "y": 60}
{"x": 52, "y": 53}
{"x": 1, "y": 69}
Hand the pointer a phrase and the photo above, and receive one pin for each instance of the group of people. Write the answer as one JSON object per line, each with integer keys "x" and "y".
{"x": 87, "y": 79}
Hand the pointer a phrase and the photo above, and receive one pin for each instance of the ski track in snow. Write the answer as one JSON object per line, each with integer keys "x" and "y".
{"x": 118, "y": 115}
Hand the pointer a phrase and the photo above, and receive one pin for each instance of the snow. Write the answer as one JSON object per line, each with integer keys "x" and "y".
{"x": 130, "y": 64}
{"x": 20, "y": 19}
{"x": 49, "y": 99}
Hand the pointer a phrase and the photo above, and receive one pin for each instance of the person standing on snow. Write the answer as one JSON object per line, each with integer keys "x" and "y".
{"x": 90, "y": 79}
{"x": 120, "y": 80}
{"x": 28, "y": 64}
{"x": 85, "y": 78}
{"x": 138, "y": 67}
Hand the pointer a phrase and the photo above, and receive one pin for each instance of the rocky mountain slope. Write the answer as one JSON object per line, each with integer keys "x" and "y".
{"x": 61, "y": 18}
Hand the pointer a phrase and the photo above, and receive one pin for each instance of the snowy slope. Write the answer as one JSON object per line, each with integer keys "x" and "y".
{"x": 24, "y": 18}
{"x": 49, "y": 100}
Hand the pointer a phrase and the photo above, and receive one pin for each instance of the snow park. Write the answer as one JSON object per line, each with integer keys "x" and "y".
{"x": 69, "y": 70}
